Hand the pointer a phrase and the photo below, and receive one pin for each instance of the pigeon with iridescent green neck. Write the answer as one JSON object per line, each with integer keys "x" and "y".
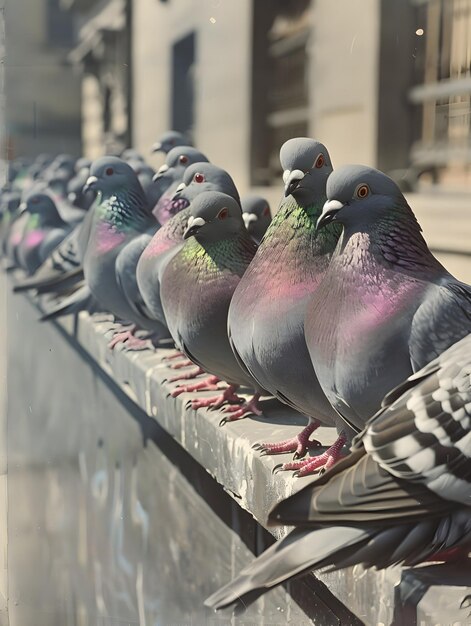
{"x": 274, "y": 293}
{"x": 199, "y": 177}
{"x": 44, "y": 229}
{"x": 386, "y": 306}
{"x": 120, "y": 215}
{"x": 197, "y": 287}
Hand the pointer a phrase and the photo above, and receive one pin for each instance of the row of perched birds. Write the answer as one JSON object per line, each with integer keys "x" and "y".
{"x": 339, "y": 310}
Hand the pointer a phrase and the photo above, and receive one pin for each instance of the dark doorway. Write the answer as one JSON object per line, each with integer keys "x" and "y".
{"x": 183, "y": 92}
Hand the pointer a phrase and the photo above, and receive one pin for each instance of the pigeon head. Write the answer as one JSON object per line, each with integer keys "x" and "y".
{"x": 110, "y": 174}
{"x": 41, "y": 206}
{"x": 357, "y": 194}
{"x": 214, "y": 216}
{"x": 256, "y": 215}
{"x": 177, "y": 161}
{"x": 306, "y": 166}
{"x": 201, "y": 177}
{"x": 169, "y": 140}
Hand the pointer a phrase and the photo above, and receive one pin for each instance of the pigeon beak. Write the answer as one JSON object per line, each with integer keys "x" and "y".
{"x": 248, "y": 218}
{"x": 193, "y": 226}
{"x": 329, "y": 211}
{"x": 179, "y": 189}
{"x": 292, "y": 180}
{"x": 160, "y": 172}
{"x": 90, "y": 184}
{"x": 23, "y": 207}
{"x": 156, "y": 147}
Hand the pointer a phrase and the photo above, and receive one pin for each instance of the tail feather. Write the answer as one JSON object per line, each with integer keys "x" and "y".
{"x": 49, "y": 282}
{"x": 80, "y": 300}
{"x": 298, "y": 553}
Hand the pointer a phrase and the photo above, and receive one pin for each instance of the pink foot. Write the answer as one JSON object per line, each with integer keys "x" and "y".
{"x": 187, "y": 376}
{"x": 239, "y": 412}
{"x": 179, "y": 366}
{"x": 227, "y": 395}
{"x": 135, "y": 343}
{"x": 122, "y": 337}
{"x": 299, "y": 444}
{"x": 208, "y": 384}
{"x": 177, "y": 355}
{"x": 320, "y": 463}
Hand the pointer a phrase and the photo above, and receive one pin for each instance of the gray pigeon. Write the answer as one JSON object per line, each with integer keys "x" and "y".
{"x": 198, "y": 178}
{"x": 386, "y": 306}
{"x": 120, "y": 215}
{"x": 401, "y": 496}
{"x": 169, "y": 176}
{"x": 274, "y": 293}
{"x": 43, "y": 231}
{"x": 197, "y": 287}
{"x": 257, "y": 215}
{"x": 169, "y": 140}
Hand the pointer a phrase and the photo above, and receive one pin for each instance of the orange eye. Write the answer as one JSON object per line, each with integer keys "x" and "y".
{"x": 183, "y": 159}
{"x": 223, "y": 213}
{"x": 363, "y": 191}
{"x": 198, "y": 178}
{"x": 320, "y": 161}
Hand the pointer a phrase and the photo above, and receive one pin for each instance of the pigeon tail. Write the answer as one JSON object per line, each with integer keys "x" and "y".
{"x": 298, "y": 553}
{"x": 80, "y": 300}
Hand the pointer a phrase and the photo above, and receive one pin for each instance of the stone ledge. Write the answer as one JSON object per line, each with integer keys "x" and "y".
{"x": 227, "y": 454}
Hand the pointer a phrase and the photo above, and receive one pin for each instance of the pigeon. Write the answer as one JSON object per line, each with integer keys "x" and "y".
{"x": 386, "y": 306}
{"x": 274, "y": 293}
{"x": 402, "y": 496}
{"x": 63, "y": 267}
{"x": 169, "y": 140}
{"x": 168, "y": 178}
{"x": 197, "y": 287}
{"x": 198, "y": 177}
{"x": 119, "y": 215}
{"x": 43, "y": 231}
{"x": 257, "y": 216}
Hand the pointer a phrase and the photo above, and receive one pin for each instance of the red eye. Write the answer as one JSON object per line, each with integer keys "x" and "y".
{"x": 223, "y": 213}
{"x": 363, "y": 191}
{"x": 35, "y": 200}
{"x": 266, "y": 211}
{"x": 198, "y": 178}
{"x": 320, "y": 161}
{"x": 183, "y": 159}
{"x": 109, "y": 171}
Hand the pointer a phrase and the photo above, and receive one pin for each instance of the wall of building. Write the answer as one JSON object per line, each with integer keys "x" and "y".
{"x": 222, "y": 78}
{"x": 42, "y": 92}
{"x": 344, "y": 78}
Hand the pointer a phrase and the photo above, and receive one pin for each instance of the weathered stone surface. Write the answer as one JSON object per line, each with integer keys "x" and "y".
{"x": 227, "y": 454}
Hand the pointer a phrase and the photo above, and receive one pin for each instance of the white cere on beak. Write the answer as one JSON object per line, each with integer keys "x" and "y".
{"x": 22, "y": 207}
{"x": 332, "y": 205}
{"x": 180, "y": 187}
{"x": 195, "y": 221}
{"x": 286, "y": 174}
{"x": 91, "y": 180}
{"x": 249, "y": 217}
{"x": 163, "y": 168}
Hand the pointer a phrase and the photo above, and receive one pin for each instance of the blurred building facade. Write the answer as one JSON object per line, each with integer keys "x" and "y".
{"x": 380, "y": 82}
{"x": 42, "y": 105}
